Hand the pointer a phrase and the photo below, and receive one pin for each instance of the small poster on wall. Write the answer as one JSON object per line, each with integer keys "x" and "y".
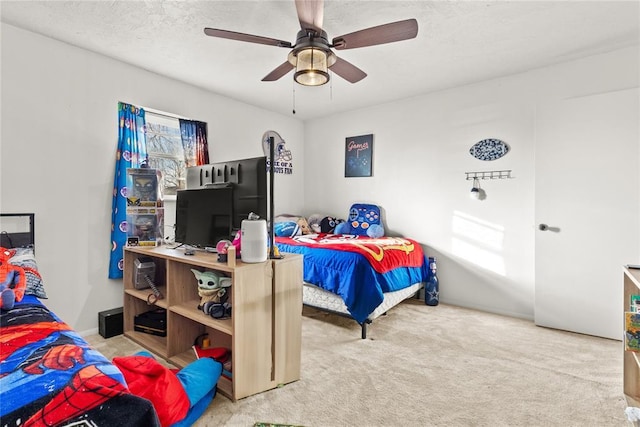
{"x": 358, "y": 158}
{"x": 282, "y": 158}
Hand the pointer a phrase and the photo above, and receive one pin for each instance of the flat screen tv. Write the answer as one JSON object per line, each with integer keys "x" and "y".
{"x": 204, "y": 216}
{"x": 246, "y": 177}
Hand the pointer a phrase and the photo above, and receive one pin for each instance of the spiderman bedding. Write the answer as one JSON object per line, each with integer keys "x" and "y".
{"x": 50, "y": 376}
{"x": 358, "y": 268}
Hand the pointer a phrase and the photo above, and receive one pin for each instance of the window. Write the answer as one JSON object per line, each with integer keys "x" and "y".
{"x": 164, "y": 147}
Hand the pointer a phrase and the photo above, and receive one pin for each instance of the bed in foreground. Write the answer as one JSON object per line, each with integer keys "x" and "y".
{"x": 49, "y": 375}
{"x": 358, "y": 276}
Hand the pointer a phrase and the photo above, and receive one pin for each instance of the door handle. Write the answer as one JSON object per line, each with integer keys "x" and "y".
{"x": 545, "y": 227}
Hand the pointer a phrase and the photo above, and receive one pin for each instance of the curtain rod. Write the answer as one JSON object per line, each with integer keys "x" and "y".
{"x": 164, "y": 114}
{"x": 160, "y": 113}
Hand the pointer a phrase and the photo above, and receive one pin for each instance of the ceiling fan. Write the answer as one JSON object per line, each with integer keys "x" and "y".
{"x": 312, "y": 54}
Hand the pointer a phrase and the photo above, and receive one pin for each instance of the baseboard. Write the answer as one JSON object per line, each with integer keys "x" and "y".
{"x": 88, "y": 332}
{"x": 487, "y": 309}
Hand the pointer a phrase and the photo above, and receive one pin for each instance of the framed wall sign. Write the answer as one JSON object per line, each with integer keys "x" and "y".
{"x": 358, "y": 156}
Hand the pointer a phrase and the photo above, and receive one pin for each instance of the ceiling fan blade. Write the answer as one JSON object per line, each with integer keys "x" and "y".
{"x": 280, "y": 71}
{"x": 310, "y": 14}
{"x": 347, "y": 71}
{"x": 225, "y": 34}
{"x": 386, "y": 33}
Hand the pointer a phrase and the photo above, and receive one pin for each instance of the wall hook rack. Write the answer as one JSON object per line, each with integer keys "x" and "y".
{"x": 506, "y": 174}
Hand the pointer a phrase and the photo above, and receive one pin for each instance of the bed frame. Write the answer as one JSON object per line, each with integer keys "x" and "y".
{"x": 320, "y": 299}
{"x": 17, "y": 229}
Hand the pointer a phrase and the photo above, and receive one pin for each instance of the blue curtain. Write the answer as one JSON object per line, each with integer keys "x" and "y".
{"x": 132, "y": 153}
{"x": 194, "y": 142}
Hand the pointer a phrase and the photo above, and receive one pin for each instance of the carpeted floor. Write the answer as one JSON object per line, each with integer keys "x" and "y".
{"x": 434, "y": 366}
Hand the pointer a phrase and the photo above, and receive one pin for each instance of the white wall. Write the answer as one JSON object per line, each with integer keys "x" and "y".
{"x": 58, "y": 144}
{"x": 421, "y": 145}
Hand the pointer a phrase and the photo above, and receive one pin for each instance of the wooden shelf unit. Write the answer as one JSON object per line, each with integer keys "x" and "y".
{"x": 264, "y": 332}
{"x": 631, "y": 366}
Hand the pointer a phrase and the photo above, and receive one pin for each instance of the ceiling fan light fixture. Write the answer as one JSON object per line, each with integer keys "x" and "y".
{"x": 312, "y": 65}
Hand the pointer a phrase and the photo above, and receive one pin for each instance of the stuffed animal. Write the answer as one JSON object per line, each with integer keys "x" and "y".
{"x": 211, "y": 287}
{"x": 329, "y": 223}
{"x": 7, "y": 294}
{"x": 314, "y": 223}
{"x": 304, "y": 226}
{"x": 13, "y": 281}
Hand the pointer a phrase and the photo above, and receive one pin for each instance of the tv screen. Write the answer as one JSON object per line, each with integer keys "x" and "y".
{"x": 247, "y": 178}
{"x": 204, "y": 216}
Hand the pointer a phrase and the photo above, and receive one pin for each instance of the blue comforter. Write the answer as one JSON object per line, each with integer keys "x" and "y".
{"x": 349, "y": 275}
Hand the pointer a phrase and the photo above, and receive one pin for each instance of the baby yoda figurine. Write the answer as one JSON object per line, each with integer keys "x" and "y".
{"x": 211, "y": 287}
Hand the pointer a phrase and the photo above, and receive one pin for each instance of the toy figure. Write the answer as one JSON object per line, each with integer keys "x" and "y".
{"x": 144, "y": 187}
{"x": 211, "y": 287}
{"x": 145, "y": 227}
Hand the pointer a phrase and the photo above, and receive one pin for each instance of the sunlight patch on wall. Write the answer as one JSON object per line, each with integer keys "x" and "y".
{"x": 478, "y": 241}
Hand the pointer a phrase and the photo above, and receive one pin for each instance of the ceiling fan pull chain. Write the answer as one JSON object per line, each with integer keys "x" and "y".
{"x": 331, "y": 88}
{"x": 294, "y": 96}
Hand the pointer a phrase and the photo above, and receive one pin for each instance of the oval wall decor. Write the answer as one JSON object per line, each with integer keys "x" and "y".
{"x": 489, "y": 149}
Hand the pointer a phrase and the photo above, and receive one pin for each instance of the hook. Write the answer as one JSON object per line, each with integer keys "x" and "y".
{"x": 504, "y": 174}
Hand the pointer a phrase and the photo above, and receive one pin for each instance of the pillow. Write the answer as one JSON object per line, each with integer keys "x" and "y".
{"x": 375, "y": 231}
{"x": 285, "y": 218}
{"x": 343, "y": 228}
{"x": 286, "y": 229}
{"x": 25, "y": 258}
{"x": 364, "y": 215}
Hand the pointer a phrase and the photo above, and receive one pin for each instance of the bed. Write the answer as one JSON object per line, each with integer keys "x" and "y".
{"x": 49, "y": 375}
{"x": 357, "y": 276}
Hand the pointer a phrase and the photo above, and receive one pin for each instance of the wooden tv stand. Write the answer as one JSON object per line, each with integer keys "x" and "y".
{"x": 264, "y": 332}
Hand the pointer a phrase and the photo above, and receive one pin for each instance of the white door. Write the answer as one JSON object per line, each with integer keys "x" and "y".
{"x": 587, "y": 197}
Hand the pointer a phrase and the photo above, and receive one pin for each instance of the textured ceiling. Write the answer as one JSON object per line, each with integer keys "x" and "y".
{"x": 458, "y": 42}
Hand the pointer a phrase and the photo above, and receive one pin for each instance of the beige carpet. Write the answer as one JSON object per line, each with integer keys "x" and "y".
{"x": 434, "y": 366}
